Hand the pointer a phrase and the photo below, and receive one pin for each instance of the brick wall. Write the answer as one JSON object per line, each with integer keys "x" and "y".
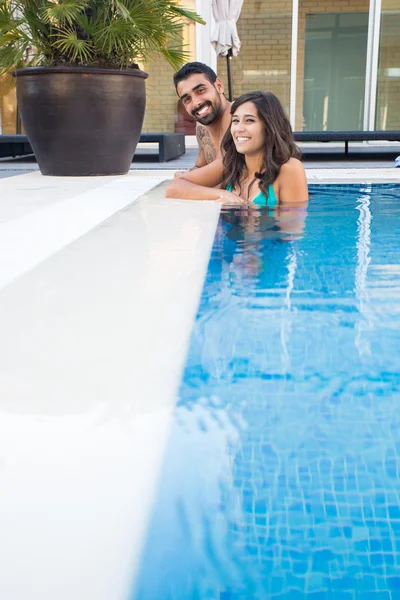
{"x": 265, "y": 29}
{"x": 161, "y": 98}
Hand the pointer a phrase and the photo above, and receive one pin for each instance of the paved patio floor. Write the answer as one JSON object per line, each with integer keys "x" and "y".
{"x": 316, "y": 156}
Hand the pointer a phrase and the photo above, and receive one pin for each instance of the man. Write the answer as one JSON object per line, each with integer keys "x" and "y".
{"x": 202, "y": 95}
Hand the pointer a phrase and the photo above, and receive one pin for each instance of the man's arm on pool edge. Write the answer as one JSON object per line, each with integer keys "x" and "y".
{"x": 192, "y": 191}
{"x": 208, "y": 176}
{"x": 185, "y": 190}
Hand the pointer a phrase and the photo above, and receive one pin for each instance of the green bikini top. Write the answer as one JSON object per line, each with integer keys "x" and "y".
{"x": 261, "y": 200}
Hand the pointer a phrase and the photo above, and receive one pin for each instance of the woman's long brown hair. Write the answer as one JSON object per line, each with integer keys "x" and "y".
{"x": 279, "y": 145}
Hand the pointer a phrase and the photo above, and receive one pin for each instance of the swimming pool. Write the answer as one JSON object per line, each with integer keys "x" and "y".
{"x": 99, "y": 294}
{"x": 281, "y": 476}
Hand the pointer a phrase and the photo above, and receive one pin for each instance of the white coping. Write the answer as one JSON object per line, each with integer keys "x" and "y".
{"x": 40, "y": 215}
{"x": 32, "y": 191}
{"x": 357, "y": 175}
{"x": 93, "y": 344}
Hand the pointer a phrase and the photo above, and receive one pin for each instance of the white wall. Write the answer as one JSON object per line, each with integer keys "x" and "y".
{"x": 204, "y": 51}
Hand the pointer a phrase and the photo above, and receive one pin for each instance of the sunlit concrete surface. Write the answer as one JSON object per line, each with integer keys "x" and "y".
{"x": 39, "y": 215}
{"x": 99, "y": 294}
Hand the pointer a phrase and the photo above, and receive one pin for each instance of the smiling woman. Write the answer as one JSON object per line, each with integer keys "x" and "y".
{"x": 261, "y": 160}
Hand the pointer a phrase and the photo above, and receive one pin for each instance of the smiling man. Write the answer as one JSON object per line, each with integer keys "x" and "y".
{"x": 202, "y": 95}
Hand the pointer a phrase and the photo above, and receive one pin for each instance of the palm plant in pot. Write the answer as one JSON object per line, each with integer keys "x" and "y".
{"x": 80, "y": 92}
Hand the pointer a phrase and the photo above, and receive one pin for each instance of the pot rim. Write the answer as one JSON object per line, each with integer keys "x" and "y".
{"x": 90, "y": 70}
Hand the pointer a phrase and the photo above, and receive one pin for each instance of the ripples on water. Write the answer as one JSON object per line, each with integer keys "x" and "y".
{"x": 281, "y": 478}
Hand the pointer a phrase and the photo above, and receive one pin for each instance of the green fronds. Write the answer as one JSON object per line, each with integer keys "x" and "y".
{"x": 120, "y": 9}
{"x": 65, "y": 11}
{"x": 178, "y": 11}
{"x": 11, "y": 57}
{"x": 176, "y": 56}
{"x": 117, "y": 36}
{"x": 72, "y": 47}
{"x": 5, "y": 15}
{"x": 87, "y": 26}
{"x": 107, "y": 32}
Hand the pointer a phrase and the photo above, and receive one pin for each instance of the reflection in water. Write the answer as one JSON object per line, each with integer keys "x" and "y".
{"x": 263, "y": 243}
{"x": 253, "y": 230}
{"x": 281, "y": 478}
{"x": 363, "y": 261}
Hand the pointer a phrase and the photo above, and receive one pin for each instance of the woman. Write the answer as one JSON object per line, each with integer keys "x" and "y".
{"x": 261, "y": 161}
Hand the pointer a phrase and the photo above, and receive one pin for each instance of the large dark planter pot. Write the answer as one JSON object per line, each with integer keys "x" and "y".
{"x": 82, "y": 120}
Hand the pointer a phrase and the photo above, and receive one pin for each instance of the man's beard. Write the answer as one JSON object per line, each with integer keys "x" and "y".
{"x": 210, "y": 118}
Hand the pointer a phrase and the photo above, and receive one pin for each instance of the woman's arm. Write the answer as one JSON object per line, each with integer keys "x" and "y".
{"x": 185, "y": 190}
{"x": 292, "y": 182}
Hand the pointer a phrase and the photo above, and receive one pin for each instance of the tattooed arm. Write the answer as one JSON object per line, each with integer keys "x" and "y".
{"x": 206, "y": 153}
{"x": 208, "y": 167}
{"x": 206, "y": 145}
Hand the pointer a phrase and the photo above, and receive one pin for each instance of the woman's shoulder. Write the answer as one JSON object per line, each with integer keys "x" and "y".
{"x": 292, "y": 181}
{"x": 292, "y": 167}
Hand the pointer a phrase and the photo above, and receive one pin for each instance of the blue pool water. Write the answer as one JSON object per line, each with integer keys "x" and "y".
{"x": 281, "y": 477}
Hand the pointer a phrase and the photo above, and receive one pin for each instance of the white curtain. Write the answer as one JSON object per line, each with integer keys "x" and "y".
{"x": 225, "y": 35}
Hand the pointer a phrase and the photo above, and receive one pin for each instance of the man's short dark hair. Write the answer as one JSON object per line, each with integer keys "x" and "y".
{"x": 194, "y": 68}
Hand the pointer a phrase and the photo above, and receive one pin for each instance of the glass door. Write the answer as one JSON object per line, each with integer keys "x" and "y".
{"x": 335, "y": 49}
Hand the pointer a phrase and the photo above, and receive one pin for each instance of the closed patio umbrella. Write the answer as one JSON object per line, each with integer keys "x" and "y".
{"x": 225, "y": 39}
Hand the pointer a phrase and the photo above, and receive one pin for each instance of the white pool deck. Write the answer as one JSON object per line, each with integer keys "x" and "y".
{"x": 100, "y": 280}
